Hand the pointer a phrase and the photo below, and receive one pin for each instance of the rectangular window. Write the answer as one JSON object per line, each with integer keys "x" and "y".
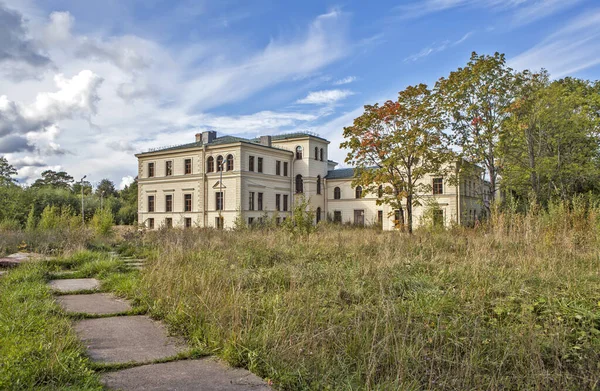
{"x": 278, "y": 167}
{"x": 188, "y": 166}
{"x": 251, "y": 201}
{"x": 169, "y": 168}
{"x": 359, "y": 217}
{"x": 278, "y": 202}
{"x": 260, "y": 164}
{"x": 169, "y": 222}
{"x": 169, "y": 203}
{"x": 285, "y": 202}
{"x": 219, "y": 200}
{"x": 150, "y": 203}
{"x": 260, "y": 201}
{"x": 150, "y": 170}
{"x": 285, "y": 168}
{"x": 151, "y": 223}
{"x": 380, "y": 217}
{"x": 278, "y": 221}
{"x": 188, "y": 222}
{"x": 219, "y": 222}
{"x": 251, "y": 163}
{"x": 187, "y": 202}
{"x": 398, "y": 218}
{"x": 438, "y": 185}
{"x": 337, "y": 216}
{"x": 250, "y": 220}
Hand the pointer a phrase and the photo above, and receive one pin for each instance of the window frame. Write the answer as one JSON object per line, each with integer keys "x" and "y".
{"x": 285, "y": 169}
{"x": 187, "y": 166}
{"x": 219, "y": 201}
{"x": 151, "y": 170}
{"x": 337, "y": 193}
{"x": 358, "y": 192}
{"x": 278, "y": 202}
{"x": 318, "y": 184}
{"x": 259, "y": 164}
{"x": 251, "y": 200}
{"x": 187, "y": 208}
{"x": 438, "y": 188}
{"x": 251, "y": 163}
{"x": 318, "y": 215}
{"x": 321, "y": 154}
{"x": 299, "y": 184}
{"x": 168, "y": 222}
{"x": 316, "y": 153}
{"x": 151, "y": 222}
{"x": 151, "y": 203}
{"x": 168, "y": 202}
{"x": 337, "y": 216}
{"x": 210, "y": 164}
{"x": 259, "y": 201}
{"x": 278, "y": 167}
{"x": 285, "y": 202}
{"x": 169, "y": 168}
{"x": 299, "y": 152}
{"x": 219, "y": 163}
{"x": 187, "y": 222}
{"x": 230, "y": 162}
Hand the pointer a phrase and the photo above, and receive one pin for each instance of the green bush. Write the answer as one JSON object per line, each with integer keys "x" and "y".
{"x": 103, "y": 222}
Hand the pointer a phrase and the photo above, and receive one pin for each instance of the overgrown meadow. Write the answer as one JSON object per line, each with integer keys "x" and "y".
{"x": 511, "y": 304}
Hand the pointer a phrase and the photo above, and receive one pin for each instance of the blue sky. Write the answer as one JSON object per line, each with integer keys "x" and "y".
{"x": 84, "y": 85}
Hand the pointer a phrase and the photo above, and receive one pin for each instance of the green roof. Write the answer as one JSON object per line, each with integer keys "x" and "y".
{"x": 233, "y": 139}
{"x": 341, "y": 173}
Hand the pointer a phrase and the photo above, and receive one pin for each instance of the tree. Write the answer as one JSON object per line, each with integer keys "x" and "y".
{"x": 87, "y": 188}
{"x": 476, "y": 101}
{"x": 54, "y": 179}
{"x": 106, "y": 188}
{"x": 395, "y": 145}
{"x": 7, "y": 171}
{"x": 553, "y": 140}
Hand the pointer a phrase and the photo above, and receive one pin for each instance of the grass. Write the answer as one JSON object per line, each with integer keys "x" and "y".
{"x": 38, "y": 347}
{"x": 511, "y": 305}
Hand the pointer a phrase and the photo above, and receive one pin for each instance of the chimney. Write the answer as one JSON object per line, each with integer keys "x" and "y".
{"x": 265, "y": 140}
{"x": 198, "y": 137}
{"x": 208, "y": 136}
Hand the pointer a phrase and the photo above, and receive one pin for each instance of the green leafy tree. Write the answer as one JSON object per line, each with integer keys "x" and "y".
{"x": 102, "y": 222}
{"x": 106, "y": 188}
{"x": 476, "y": 100}
{"x": 395, "y": 146}
{"x": 54, "y": 179}
{"x": 7, "y": 172}
{"x": 87, "y": 188}
{"x": 552, "y": 145}
{"x": 31, "y": 220}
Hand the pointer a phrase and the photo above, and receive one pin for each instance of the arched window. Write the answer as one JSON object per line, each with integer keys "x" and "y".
{"x": 337, "y": 193}
{"x": 319, "y": 184}
{"x": 318, "y": 215}
{"x": 230, "y": 162}
{"x": 210, "y": 164}
{"x": 358, "y": 191}
{"x": 299, "y": 184}
{"x": 321, "y": 154}
{"x": 219, "y": 163}
{"x": 316, "y": 153}
{"x": 299, "y": 152}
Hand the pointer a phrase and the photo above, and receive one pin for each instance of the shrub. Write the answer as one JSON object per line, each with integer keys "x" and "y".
{"x": 103, "y": 222}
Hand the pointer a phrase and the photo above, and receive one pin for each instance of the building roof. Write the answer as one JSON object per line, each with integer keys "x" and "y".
{"x": 341, "y": 173}
{"x": 231, "y": 140}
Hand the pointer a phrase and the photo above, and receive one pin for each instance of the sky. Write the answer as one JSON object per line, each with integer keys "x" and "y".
{"x": 85, "y": 85}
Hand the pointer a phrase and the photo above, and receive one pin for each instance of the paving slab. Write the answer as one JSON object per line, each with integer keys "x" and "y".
{"x": 16, "y": 259}
{"x": 95, "y": 304}
{"x": 125, "y": 339}
{"x": 189, "y": 375}
{"x": 74, "y": 284}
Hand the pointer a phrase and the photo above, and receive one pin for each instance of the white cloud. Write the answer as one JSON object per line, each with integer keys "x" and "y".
{"x": 126, "y": 181}
{"x": 573, "y": 48}
{"x": 58, "y": 30}
{"x": 325, "y": 97}
{"x": 522, "y": 11}
{"x": 436, "y": 48}
{"x": 345, "y": 80}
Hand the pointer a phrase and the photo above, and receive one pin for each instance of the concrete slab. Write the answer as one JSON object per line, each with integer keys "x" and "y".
{"x": 74, "y": 284}
{"x": 95, "y": 304}
{"x": 190, "y": 375}
{"x": 127, "y": 339}
{"x": 13, "y": 260}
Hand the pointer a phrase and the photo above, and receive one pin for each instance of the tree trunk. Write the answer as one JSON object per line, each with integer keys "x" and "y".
{"x": 409, "y": 213}
{"x": 531, "y": 154}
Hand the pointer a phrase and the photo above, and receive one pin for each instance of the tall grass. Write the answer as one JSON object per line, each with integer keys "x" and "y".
{"x": 513, "y": 304}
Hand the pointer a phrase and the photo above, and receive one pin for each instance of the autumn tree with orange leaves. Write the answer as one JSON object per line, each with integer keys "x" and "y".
{"x": 396, "y": 144}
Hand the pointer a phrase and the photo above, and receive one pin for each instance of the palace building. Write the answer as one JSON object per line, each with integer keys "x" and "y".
{"x": 215, "y": 181}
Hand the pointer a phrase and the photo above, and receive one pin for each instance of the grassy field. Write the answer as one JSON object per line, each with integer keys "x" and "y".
{"x": 514, "y": 304}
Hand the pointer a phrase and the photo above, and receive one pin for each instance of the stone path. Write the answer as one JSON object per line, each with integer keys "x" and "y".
{"x": 137, "y": 339}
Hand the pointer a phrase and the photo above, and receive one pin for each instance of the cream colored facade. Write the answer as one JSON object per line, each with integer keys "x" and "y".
{"x": 179, "y": 186}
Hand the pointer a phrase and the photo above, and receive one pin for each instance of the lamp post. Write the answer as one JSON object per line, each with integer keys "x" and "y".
{"x": 101, "y": 200}
{"x": 82, "y": 212}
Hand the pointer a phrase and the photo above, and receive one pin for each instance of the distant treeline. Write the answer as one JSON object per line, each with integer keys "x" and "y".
{"x": 24, "y": 205}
